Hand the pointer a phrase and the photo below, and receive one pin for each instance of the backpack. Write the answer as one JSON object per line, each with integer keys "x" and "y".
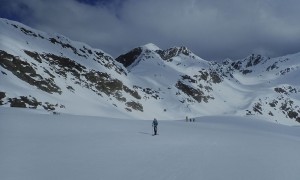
{"x": 155, "y": 123}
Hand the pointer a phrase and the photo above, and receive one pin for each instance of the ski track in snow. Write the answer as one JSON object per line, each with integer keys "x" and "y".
{"x": 36, "y": 145}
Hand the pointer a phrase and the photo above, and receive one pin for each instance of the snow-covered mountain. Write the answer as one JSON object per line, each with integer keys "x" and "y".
{"x": 52, "y": 72}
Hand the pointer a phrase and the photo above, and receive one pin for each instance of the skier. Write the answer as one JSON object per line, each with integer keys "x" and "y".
{"x": 154, "y": 125}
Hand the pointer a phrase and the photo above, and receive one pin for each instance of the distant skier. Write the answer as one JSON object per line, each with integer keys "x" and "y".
{"x": 154, "y": 125}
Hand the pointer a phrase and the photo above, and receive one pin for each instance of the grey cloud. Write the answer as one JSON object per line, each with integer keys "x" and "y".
{"x": 211, "y": 29}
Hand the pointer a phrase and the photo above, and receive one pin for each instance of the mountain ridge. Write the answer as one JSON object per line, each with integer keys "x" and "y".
{"x": 52, "y": 72}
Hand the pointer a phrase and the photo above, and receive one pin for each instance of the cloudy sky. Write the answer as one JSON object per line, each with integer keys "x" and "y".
{"x": 212, "y": 29}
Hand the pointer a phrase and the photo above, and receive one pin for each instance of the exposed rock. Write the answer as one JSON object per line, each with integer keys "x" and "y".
{"x": 25, "y": 72}
{"x": 130, "y": 57}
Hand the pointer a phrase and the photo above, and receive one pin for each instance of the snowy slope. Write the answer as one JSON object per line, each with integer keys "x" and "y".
{"x": 255, "y": 85}
{"x": 38, "y": 146}
{"x": 57, "y": 73}
{"x": 272, "y": 85}
{"x": 51, "y": 72}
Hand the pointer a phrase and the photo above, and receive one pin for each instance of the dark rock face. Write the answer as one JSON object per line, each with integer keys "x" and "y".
{"x": 104, "y": 83}
{"x": 172, "y": 52}
{"x": 254, "y": 60}
{"x": 196, "y": 94}
{"x": 24, "y": 71}
{"x": 22, "y": 101}
{"x": 32, "y": 102}
{"x": 208, "y": 76}
{"x": 2, "y": 96}
{"x": 135, "y": 106}
{"x": 129, "y": 58}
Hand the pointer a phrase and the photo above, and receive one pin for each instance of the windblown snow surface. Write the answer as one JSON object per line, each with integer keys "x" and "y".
{"x": 40, "y": 146}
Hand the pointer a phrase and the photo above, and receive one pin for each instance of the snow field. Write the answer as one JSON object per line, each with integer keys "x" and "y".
{"x": 38, "y": 146}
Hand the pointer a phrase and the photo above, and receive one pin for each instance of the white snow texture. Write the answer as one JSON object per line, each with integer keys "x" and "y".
{"x": 38, "y": 146}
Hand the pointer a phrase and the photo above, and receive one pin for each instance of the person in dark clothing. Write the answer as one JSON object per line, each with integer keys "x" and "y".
{"x": 154, "y": 125}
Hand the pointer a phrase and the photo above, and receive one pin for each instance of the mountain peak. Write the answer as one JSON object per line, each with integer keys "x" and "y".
{"x": 255, "y": 59}
{"x": 151, "y": 47}
{"x": 174, "y": 51}
{"x": 129, "y": 58}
